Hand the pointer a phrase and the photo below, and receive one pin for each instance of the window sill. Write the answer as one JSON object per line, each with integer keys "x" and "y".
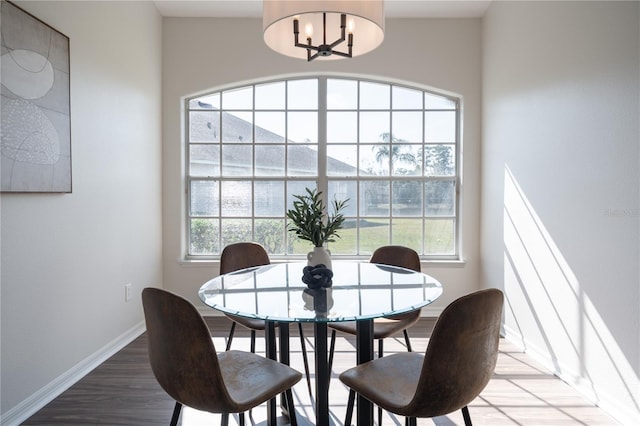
{"x": 208, "y": 263}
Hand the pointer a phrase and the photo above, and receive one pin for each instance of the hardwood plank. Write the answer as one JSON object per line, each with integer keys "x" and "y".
{"x": 123, "y": 391}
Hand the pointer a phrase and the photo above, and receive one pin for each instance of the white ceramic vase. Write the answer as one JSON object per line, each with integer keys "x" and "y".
{"x": 319, "y": 255}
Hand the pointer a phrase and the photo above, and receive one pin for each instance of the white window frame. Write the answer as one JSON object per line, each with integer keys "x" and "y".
{"x": 322, "y": 178}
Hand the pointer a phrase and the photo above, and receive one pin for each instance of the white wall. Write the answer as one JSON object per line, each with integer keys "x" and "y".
{"x": 560, "y": 188}
{"x": 200, "y": 54}
{"x": 67, "y": 257}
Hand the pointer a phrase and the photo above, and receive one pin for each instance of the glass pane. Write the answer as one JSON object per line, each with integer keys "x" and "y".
{"x": 294, "y": 245}
{"x": 440, "y": 160}
{"x": 342, "y": 127}
{"x": 439, "y": 236}
{"x": 302, "y": 94}
{"x": 270, "y": 96}
{"x": 269, "y": 160}
{"x": 204, "y": 126}
{"x": 404, "y": 98}
{"x": 270, "y": 233}
{"x": 374, "y": 198}
{"x": 342, "y": 94}
{"x": 432, "y": 101}
{"x": 342, "y": 160}
{"x": 235, "y": 231}
{"x": 302, "y": 160}
{"x": 407, "y": 232}
{"x": 406, "y": 160}
{"x": 347, "y": 243}
{"x": 237, "y": 160}
{"x": 205, "y": 196}
{"x": 236, "y": 198}
{"x": 374, "y": 233}
{"x": 374, "y": 95}
{"x": 407, "y": 126}
{"x": 237, "y": 126}
{"x": 374, "y": 160}
{"x": 204, "y": 160}
{"x": 407, "y": 198}
{"x": 440, "y": 198}
{"x": 270, "y": 127}
{"x": 204, "y": 236}
{"x": 302, "y": 127}
{"x": 374, "y": 127}
{"x": 345, "y": 190}
{"x": 206, "y": 102}
{"x": 269, "y": 198}
{"x": 241, "y": 98}
{"x": 440, "y": 126}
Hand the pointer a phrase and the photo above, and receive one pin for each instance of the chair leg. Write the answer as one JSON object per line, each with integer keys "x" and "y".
{"x": 233, "y": 329}
{"x": 225, "y": 419}
{"x": 291, "y": 408}
{"x": 304, "y": 358}
{"x": 466, "y": 416}
{"x": 253, "y": 341}
{"x": 176, "y": 414}
{"x": 332, "y": 348}
{"x": 410, "y": 421}
{"x": 350, "y": 402}
{"x": 406, "y": 339}
{"x": 241, "y": 419}
{"x": 380, "y": 355}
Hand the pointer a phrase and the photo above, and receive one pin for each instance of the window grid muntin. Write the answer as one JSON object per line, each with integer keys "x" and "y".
{"x": 322, "y": 178}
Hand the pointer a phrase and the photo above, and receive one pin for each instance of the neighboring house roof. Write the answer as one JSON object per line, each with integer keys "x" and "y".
{"x": 204, "y": 126}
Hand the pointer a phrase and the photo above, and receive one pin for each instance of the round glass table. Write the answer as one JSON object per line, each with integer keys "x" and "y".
{"x": 359, "y": 292}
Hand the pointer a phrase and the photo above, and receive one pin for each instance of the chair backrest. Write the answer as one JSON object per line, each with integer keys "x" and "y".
{"x": 181, "y": 352}
{"x": 401, "y": 256}
{"x": 242, "y": 255}
{"x": 461, "y": 355}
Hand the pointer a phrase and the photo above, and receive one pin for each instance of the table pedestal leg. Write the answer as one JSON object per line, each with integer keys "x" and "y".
{"x": 270, "y": 337}
{"x": 322, "y": 374}
{"x": 284, "y": 359}
{"x": 364, "y": 345}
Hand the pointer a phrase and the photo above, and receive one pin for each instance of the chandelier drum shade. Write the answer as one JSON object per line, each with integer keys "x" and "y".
{"x": 327, "y": 29}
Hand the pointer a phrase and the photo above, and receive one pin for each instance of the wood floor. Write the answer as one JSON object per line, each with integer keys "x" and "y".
{"x": 123, "y": 391}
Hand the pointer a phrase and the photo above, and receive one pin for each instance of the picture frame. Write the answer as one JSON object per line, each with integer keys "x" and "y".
{"x": 35, "y": 147}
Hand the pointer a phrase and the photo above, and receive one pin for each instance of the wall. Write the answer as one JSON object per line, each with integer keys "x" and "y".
{"x": 560, "y": 188}
{"x": 67, "y": 257}
{"x": 201, "y": 54}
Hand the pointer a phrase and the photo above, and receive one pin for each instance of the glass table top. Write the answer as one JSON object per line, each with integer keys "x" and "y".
{"x": 360, "y": 290}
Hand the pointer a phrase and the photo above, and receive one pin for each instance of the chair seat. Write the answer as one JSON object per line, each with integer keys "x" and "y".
{"x": 389, "y": 382}
{"x": 251, "y": 379}
{"x": 382, "y": 327}
{"x": 250, "y": 323}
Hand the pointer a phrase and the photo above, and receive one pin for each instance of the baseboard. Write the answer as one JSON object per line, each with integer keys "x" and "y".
{"x": 48, "y": 393}
{"x": 608, "y": 404}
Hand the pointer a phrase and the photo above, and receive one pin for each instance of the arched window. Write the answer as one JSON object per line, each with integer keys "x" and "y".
{"x": 391, "y": 149}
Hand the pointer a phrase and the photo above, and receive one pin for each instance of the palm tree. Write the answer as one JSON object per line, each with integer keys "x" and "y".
{"x": 393, "y": 151}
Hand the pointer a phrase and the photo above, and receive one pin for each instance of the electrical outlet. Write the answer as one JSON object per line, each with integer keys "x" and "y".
{"x": 127, "y": 292}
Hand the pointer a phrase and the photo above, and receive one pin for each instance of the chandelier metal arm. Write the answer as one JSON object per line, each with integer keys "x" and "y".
{"x": 325, "y": 49}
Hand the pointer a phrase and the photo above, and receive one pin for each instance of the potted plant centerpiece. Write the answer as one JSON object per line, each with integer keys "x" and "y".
{"x": 311, "y": 221}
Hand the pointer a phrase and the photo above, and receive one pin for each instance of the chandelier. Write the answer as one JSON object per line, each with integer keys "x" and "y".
{"x": 333, "y": 29}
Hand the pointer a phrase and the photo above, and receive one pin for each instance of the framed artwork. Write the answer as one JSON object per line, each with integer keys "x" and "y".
{"x": 35, "y": 109}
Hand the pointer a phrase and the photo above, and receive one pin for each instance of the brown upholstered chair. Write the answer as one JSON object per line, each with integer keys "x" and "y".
{"x": 385, "y": 327}
{"x": 186, "y": 365}
{"x": 460, "y": 359}
{"x": 246, "y": 255}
